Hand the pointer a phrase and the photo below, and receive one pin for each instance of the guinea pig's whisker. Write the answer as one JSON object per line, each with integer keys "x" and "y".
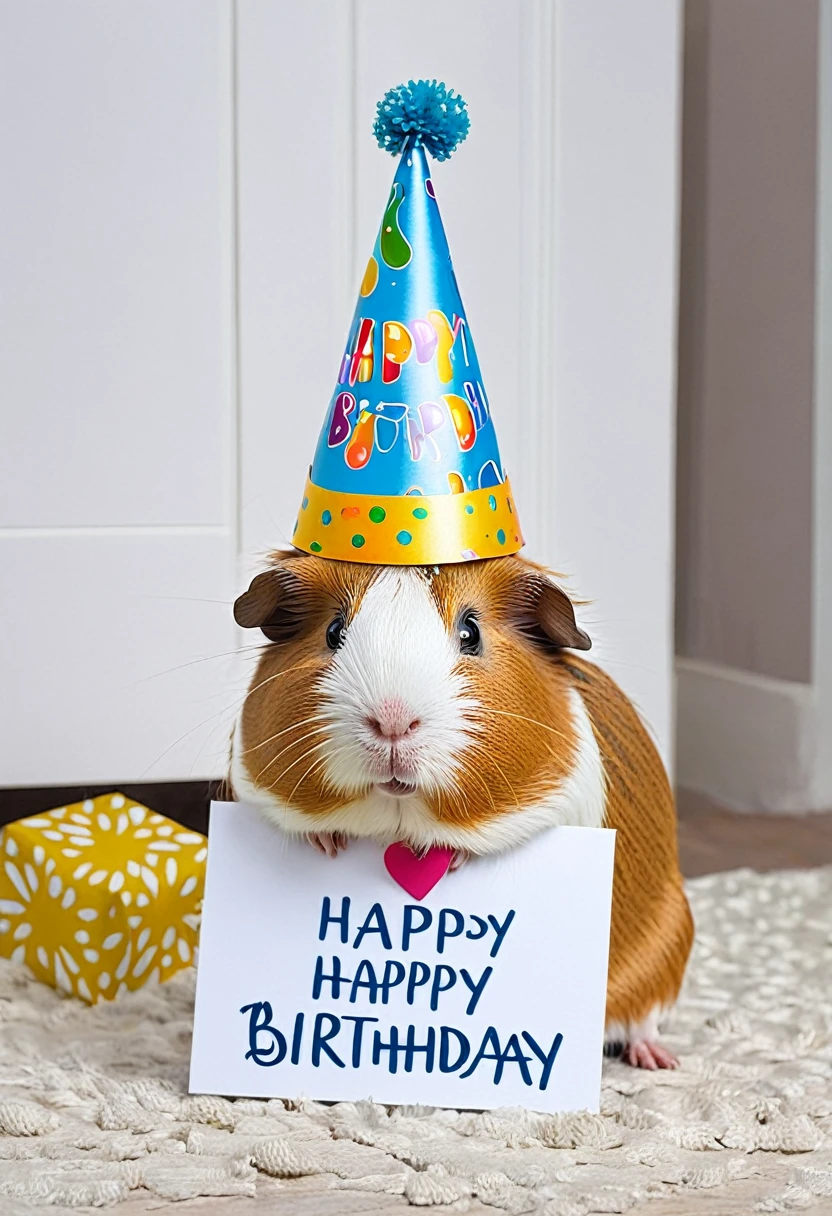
{"x": 315, "y": 764}
{"x": 208, "y": 740}
{"x": 549, "y": 751}
{"x": 277, "y": 675}
{"x": 485, "y": 786}
{"x": 226, "y": 709}
{"x": 208, "y": 658}
{"x": 471, "y": 726}
{"x": 294, "y": 726}
{"x": 294, "y": 743}
{"x": 479, "y": 745}
{"x": 316, "y": 747}
{"x": 508, "y": 784}
{"x": 235, "y": 706}
{"x": 477, "y": 777}
{"x": 304, "y": 756}
{"x": 532, "y": 721}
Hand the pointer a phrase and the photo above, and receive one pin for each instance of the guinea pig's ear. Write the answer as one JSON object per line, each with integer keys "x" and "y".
{"x": 274, "y": 603}
{"x": 552, "y": 616}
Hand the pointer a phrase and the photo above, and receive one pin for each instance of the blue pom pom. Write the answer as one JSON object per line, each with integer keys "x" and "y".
{"x": 424, "y": 112}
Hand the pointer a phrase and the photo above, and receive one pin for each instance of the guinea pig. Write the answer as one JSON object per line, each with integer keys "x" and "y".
{"x": 446, "y": 705}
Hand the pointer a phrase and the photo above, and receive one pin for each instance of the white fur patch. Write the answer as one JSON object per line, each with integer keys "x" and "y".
{"x": 630, "y": 1033}
{"x": 395, "y": 649}
{"x": 579, "y": 801}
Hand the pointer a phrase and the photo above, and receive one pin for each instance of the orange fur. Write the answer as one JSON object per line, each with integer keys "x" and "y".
{"x": 525, "y": 713}
{"x": 280, "y": 736}
{"x": 652, "y": 928}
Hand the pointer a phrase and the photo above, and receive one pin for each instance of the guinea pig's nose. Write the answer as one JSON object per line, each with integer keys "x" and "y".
{"x": 392, "y": 720}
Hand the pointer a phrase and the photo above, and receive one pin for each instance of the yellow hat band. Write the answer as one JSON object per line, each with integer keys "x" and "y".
{"x": 409, "y": 529}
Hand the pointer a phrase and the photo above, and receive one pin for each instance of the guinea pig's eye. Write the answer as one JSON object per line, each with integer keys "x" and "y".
{"x": 335, "y": 633}
{"x": 470, "y": 641}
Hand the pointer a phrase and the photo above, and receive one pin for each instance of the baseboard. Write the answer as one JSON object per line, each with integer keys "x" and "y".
{"x": 186, "y": 802}
{"x": 745, "y": 740}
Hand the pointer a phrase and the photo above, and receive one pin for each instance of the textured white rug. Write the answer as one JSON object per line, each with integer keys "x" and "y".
{"x": 93, "y": 1102}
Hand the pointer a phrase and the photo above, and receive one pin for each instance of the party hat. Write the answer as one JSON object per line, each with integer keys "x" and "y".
{"x": 407, "y": 470}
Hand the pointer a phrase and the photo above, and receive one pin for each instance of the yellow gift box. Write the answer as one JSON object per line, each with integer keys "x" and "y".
{"x": 101, "y": 896}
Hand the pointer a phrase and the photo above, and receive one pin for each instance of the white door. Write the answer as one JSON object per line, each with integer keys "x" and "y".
{"x": 189, "y": 193}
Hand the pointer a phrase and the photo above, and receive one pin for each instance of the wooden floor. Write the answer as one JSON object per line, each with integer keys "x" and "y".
{"x": 711, "y": 838}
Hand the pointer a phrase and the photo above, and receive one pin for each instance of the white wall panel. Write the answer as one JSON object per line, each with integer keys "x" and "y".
{"x": 106, "y": 658}
{"x": 294, "y": 158}
{"x": 118, "y": 459}
{"x": 610, "y": 498}
{"x": 114, "y": 391}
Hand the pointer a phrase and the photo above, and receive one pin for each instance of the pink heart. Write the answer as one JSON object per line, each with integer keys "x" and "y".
{"x": 417, "y": 873}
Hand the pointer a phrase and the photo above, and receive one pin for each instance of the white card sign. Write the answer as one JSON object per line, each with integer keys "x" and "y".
{"x": 321, "y": 976}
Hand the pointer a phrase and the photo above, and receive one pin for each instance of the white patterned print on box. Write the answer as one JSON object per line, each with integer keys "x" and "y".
{"x": 100, "y": 897}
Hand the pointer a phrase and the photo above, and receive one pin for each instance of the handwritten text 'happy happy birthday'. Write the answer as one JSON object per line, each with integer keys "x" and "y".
{"x": 340, "y": 1038}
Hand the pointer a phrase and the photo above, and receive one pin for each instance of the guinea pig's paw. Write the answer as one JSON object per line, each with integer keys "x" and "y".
{"x": 646, "y": 1054}
{"x": 330, "y": 843}
{"x": 459, "y": 858}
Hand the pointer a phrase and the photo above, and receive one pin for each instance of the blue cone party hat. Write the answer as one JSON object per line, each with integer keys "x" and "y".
{"x": 407, "y": 471}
